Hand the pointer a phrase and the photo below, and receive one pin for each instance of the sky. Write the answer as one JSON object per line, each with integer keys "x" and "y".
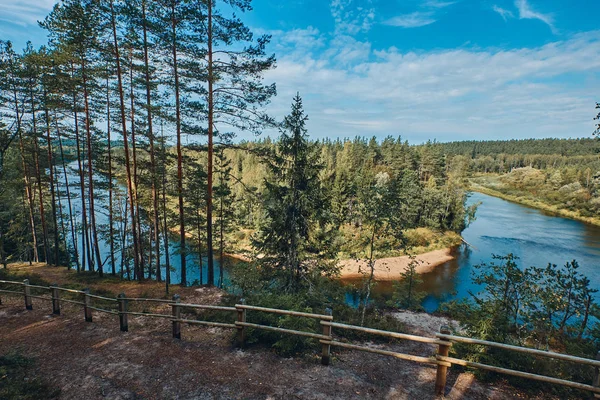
{"x": 422, "y": 69}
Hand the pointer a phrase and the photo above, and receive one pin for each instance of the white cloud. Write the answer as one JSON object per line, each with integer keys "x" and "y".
{"x": 438, "y": 3}
{"x": 25, "y": 12}
{"x": 428, "y": 13}
{"x": 350, "y": 17}
{"x": 505, "y": 14}
{"x": 448, "y": 94}
{"x": 526, "y": 12}
{"x": 412, "y": 20}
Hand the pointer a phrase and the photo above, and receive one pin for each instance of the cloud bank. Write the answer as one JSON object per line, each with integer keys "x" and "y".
{"x": 351, "y": 89}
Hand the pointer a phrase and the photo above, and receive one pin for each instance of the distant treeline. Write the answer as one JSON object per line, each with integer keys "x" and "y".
{"x": 563, "y": 147}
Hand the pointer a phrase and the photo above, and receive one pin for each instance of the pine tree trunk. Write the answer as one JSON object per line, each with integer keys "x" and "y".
{"x": 155, "y": 218}
{"x": 85, "y": 251}
{"x": 164, "y": 207}
{"x": 209, "y": 179}
{"x": 68, "y": 190}
{"x": 199, "y": 246}
{"x": 51, "y": 177}
{"x": 125, "y": 141}
{"x": 38, "y": 176}
{"x": 28, "y": 193}
{"x": 111, "y": 231}
{"x": 182, "y": 249}
{"x": 139, "y": 273}
{"x": 96, "y": 245}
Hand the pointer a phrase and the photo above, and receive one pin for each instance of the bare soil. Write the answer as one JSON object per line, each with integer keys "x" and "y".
{"x": 94, "y": 360}
{"x": 390, "y": 269}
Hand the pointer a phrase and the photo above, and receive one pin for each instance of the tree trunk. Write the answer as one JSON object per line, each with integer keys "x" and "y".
{"x": 139, "y": 273}
{"x": 95, "y": 244}
{"x": 51, "y": 177}
{"x": 85, "y": 250}
{"x": 182, "y": 249}
{"x": 125, "y": 141}
{"x": 111, "y": 231}
{"x": 38, "y": 177}
{"x": 71, "y": 220}
{"x": 209, "y": 178}
{"x": 155, "y": 219}
{"x": 164, "y": 207}
{"x": 28, "y": 193}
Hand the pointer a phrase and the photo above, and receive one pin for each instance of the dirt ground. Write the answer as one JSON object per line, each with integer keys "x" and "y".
{"x": 94, "y": 360}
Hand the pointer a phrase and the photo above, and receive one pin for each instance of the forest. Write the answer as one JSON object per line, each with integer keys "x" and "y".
{"x": 96, "y": 176}
{"x": 119, "y": 153}
{"x": 558, "y": 175}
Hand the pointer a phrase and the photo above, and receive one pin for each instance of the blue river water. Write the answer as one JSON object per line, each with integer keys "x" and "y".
{"x": 502, "y": 227}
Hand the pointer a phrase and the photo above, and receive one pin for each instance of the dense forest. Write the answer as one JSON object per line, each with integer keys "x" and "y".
{"x": 96, "y": 176}
{"x": 557, "y": 175}
{"x": 118, "y": 151}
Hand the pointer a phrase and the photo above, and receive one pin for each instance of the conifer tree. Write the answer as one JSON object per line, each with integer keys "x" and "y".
{"x": 235, "y": 93}
{"x": 295, "y": 236}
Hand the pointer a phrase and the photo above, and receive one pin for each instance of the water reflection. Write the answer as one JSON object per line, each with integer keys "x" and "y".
{"x": 503, "y": 227}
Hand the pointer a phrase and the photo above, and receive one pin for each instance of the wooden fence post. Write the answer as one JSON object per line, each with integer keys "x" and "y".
{"x": 87, "y": 311}
{"x": 442, "y": 370}
{"x": 55, "y": 299}
{"x": 326, "y": 348}
{"x": 241, "y": 330}
{"x": 122, "y": 310}
{"x": 596, "y": 381}
{"x": 27, "y": 293}
{"x": 176, "y": 317}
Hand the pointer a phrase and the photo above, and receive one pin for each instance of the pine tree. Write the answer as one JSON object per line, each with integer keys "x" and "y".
{"x": 235, "y": 92}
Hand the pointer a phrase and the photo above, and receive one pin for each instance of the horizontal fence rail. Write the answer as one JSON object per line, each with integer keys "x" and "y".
{"x": 443, "y": 339}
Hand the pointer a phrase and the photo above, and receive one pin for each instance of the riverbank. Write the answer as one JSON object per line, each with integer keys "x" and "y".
{"x": 391, "y": 268}
{"x": 554, "y": 210}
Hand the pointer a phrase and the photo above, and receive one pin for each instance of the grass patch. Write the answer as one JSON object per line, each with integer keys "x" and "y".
{"x": 18, "y": 382}
{"x": 526, "y": 200}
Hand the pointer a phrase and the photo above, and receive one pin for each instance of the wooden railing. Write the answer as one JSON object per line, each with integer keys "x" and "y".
{"x": 443, "y": 340}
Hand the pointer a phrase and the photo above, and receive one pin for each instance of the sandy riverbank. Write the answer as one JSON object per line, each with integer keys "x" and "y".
{"x": 389, "y": 269}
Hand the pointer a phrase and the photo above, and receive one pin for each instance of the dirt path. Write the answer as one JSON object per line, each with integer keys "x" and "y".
{"x": 97, "y": 361}
{"x": 388, "y": 269}
{"x": 94, "y": 360}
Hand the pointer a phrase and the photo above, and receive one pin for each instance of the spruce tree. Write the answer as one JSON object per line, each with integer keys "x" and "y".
{"x": 295, "y": 236}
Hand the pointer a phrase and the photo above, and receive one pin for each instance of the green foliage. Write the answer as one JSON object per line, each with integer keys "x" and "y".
{"x": 547, "y": 308}
{"x": 18, "y": 383}
{"x": 406, "y": 294}
{"x": 295, "y": 236}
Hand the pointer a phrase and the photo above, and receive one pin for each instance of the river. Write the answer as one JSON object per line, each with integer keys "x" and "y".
{"x": 502, "y": 227}
{"x": 101, "y": 207}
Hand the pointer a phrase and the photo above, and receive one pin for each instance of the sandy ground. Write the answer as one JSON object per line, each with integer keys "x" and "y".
{"x": 94, "y": 360}
{"x": 424, "y": 324}
{"x": 389, "y": 269}
{"x": 97, "y": 361}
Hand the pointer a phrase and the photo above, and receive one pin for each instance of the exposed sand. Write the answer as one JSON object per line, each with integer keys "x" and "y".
{"x": 389, "y": 269}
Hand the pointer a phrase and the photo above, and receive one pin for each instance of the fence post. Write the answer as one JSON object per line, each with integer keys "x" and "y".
{"x": 443, "y": 350}
{"x": 55, "y": 299}
{"x": 326, "y": 348}
{"x": 122, "y": 311}
{"x": 27, "y": 293}
{"x": 241, "y": 317}
{"x": 596, "y": 381}
{"x": 176, "y": 317}
{"x": 87, "y": 311}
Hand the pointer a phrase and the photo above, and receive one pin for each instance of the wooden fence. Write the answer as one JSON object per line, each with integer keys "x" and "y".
{"x": 442, "y": 340}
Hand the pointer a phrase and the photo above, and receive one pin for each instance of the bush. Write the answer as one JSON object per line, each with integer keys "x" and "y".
{"x": 17, "y": 382}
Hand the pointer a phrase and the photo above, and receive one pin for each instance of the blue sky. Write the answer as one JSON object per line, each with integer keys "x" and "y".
{"x": 423, "y": 69}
